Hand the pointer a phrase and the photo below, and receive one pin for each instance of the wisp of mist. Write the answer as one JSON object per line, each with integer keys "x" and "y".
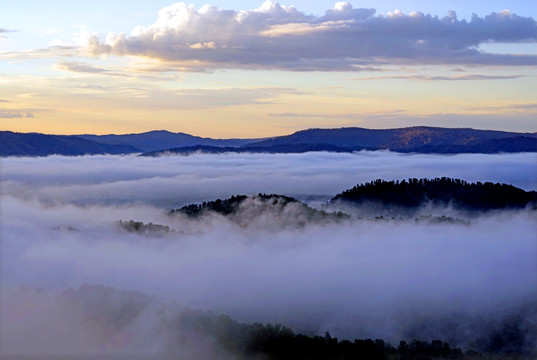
{"x": 357, "y": 278}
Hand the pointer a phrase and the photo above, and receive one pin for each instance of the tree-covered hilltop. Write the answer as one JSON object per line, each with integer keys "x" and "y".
{"x": 267, "y": 341}
{"x": 148, "y": 229}
{"x": 185, "y": 333}
{"x": 245, "y": 209}
{"x": 223, "y": 207}
{"x": 229, "y": 206}
{"x": 405, "y": 194}
{"x": 416, "y": 192}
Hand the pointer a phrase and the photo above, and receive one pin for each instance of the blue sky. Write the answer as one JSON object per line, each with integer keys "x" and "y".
{"x": 119, "y": 66}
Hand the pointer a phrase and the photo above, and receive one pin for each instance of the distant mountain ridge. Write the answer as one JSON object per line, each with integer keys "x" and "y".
{"x": 275, "y": 149}
{"x": 419, "y": 139}
{"x": 35, "y": 144}
{"x": 162, "y": 139}
{"x": 401, "y": 139}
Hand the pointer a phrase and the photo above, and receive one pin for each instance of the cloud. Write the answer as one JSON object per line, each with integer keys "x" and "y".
{"x": 177, "y": 180}
{"x": 442, "y": 78}
{"x": 528, "y": 107}
{"x": 3, "y": 31}
{"x": 312, "y": 115}
{"x": 84, "y": 68}
{"x": 50, "y": 52}
{"x": 359, "y": 278}
{"x": 80, "y": 67}
{"x": 279, "y": 37}
{"x": 13, "y": 114}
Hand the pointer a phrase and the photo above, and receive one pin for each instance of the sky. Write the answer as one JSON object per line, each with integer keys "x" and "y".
{"x": 257, "y": 69}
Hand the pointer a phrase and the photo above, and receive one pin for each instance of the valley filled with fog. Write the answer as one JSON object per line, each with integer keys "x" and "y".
{"x": 358, "y": 277}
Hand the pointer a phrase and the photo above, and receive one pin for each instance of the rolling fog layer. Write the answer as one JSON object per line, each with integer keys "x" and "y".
{"x": 177, "y": 180}
{"x": 357, "y": 278}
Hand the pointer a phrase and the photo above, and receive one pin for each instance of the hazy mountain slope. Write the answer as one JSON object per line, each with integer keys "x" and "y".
{"x": 161, "y": 139}
{"x": 493, "y": 146}
{"x": 510, "y": 144}
{"x": 275, "y": 149}
{"x": 415, "y": 139}
{"x": 394, "y": 139}
{"x": 34, "y": 144}
{"x": 105, "y": 314}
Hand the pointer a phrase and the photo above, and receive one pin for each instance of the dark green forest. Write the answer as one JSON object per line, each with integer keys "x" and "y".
{"x": 259, "y": 341}
{"x": 278, "y": 203}
{"x": 406, "y": 194}
{"x": 206, "y": 335}
{"x": 413, "y": 193}
{"x": 229, "y": 206}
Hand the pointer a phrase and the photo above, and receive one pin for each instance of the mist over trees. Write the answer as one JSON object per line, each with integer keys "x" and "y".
{"x": 411, "y": 193}
{"x": 445, "y": 191}
{"x": 244, "y": 210}
{"x": 126, "y": 323}
{"x": 456, "y": 283}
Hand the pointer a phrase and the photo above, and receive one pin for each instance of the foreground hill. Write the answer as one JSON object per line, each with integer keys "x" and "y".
{"x": 444, "y": 191}
{"x": 161, "y": 139}
{"x": 175, "y": 332}
{"x": 34, "y": 144}
{"x": 413, "y": 139}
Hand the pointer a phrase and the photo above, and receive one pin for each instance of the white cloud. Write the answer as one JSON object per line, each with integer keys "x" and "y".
{"x": 279, "y": 37}
{"x": 359, "y": 278}
{"x": 439, "y": 77}
{"x": 205, "y": 45}
{"x": 177, "y": 180}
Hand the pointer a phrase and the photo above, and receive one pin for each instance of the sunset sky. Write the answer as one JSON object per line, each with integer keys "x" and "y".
{"x": 254, "y": 69}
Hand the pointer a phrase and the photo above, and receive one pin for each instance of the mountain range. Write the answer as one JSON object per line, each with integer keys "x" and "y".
{"x": 419, "y": 139}
{"x": 162, "y": 139}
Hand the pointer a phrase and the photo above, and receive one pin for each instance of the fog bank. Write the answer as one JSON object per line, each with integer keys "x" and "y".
{"x": 357, "y": 278}
{"x": 171, "y": 181}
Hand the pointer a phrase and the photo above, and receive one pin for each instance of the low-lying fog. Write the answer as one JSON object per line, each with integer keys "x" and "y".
{"x": 171, "y": 181}
{"x": 355, "y": 278}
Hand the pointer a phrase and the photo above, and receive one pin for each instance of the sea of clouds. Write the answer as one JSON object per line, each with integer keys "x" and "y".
{"x": 356, "y": 278}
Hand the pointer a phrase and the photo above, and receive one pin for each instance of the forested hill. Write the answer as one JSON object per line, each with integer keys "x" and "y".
{"x": 406, "y": 194}
{"x": 35, "y": 144}
{"x": 245, "y": 210}
{"x": 185, "y": 331}
{"x": 162, "y": 139}
{"x": 419, "y": 139}
{"x": 229, "y": 206}
{"x": 444, "y": 191}
{"x": 275, "y": 149}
